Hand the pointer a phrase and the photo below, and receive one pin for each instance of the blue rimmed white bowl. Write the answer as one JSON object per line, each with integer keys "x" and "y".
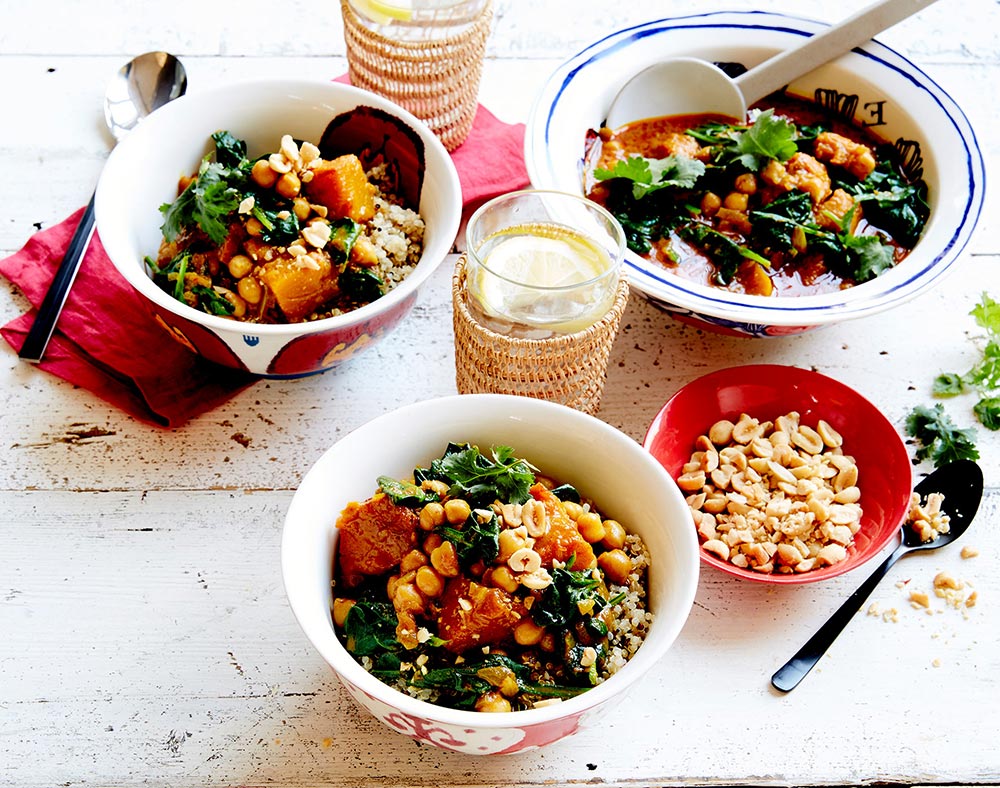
{"x": 887, "y": 92}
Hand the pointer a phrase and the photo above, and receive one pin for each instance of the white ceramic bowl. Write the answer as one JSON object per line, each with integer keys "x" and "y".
{"x": 142, "y": 172}
{"x": 603, "y": 463}
{"x": 899, "y": 99}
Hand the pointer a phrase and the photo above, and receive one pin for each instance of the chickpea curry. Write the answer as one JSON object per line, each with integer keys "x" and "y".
{"x": 795, "y": 202}
{"x": 482, "y": 585}
{"x": 288, "y": 237}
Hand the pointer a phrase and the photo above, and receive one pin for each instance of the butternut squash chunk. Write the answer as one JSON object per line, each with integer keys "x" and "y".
{"x": 374, "y": 536}
{"x": 563, "y": 540}
{"x": 473, "y": 615}
{"x": 342, "y": 186}
{"x": 300, "y": 288}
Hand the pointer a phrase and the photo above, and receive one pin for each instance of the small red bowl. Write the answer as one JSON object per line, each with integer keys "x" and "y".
{"x": 766, "y": 391}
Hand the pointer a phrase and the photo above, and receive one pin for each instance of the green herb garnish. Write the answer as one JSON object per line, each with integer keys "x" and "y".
{"x": 480, "y": 479}
{"x": 650, "y": 175}
{"x": 984, "y": 376}
{"x": 941, "y": 441}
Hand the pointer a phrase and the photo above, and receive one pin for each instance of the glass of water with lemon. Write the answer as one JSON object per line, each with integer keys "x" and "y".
{"x": 542, "y": 263}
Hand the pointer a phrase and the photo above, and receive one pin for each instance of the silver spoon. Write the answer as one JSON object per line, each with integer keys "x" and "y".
{"x": 961, "y": 482}
{"x": 145, "y": 83}
{"x": 689, "y": 86}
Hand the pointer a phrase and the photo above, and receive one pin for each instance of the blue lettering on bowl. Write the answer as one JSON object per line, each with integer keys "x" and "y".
{"x": 251, "y": 341}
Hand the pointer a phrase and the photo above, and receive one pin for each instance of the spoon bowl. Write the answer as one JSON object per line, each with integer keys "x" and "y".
{"x": 142, "y": 85}
{"x": 961, "y": 483}
{"x": 689, "y": 86}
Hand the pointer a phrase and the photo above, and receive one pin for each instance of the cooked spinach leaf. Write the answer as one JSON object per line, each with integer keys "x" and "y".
{"x": 477, "y": 539}
{"x": 559, "y": 604}
{"x": 726, "y": 255}
{"x": 361, "y": 284}
{"x": 212, "y": 302}
{"x": 370, "y": 628}
{"x": 405, "y": 493}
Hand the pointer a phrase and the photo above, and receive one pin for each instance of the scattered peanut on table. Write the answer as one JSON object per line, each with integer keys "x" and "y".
{"x": 775, "y": 496}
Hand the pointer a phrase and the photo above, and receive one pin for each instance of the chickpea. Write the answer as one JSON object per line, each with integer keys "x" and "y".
{"x": 430, "y": 583}
{"x": 548, "y": 642}
{"x": 412, "y": 561}
{"x": 736, "y": 201}
{"x": 431, "y": 516}
{"x": 288, "y": 185}
{"x": 340, "y": 609}
{"x": 746, "y": 183}
{"x": 444, "y": 559}
{"x": 590, "y": 526}
{"x": 301, "y": 208}
{"x": 492, "y": 701}
{"x": 616, "y": 565}
{"x": 710, "y": 203}
{"x": 457, "y": 511}
{"x": 435, "y": 486}
{"x": 249, "y": 290}
{"x": 510, "y": 541}
{"x": 528, "y": 633}
{"x": 502, "y": 577}
{"x": 431, "y": 542}
{"x": 408, "y": 599}
{"x": 573, "y": 509}
{"x": 253, "y": 227}
{"x": 239, "y": 266}
{"x": 614, "y": 535}
{"x": 262, "y": 174}
{"x": 239, "y": 305}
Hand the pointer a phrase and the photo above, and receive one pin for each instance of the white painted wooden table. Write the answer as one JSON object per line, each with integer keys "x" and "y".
{"x": 144, "y": 635}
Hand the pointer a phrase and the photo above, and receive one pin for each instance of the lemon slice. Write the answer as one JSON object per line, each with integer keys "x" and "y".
{"x": 534, "y": 261}
{"x": 382, "y": 12}
{"x": 530, "y": 279}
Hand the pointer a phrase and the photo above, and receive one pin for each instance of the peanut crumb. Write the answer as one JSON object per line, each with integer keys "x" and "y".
{"x": 969, "y": 552}
{"x": 936, "y": 663}
{"x": 919, "y": 599}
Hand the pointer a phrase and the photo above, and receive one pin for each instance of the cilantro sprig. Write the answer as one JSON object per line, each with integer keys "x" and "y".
{"x": 481, "y": 479}
{"x": 767, "y": 138}
{"x": 941, "y": 441}
{"x": 984, "y": 376}
{"x": 650, "y": 175}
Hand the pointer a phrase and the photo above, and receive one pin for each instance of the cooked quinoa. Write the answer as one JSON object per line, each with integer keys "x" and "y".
{"x": 492, "y": 598}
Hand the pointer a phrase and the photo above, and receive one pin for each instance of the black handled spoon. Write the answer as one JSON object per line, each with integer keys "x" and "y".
{"x": 961, "y": 483}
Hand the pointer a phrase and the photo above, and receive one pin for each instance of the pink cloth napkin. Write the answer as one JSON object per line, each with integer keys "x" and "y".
{"x": 108, "y": 342}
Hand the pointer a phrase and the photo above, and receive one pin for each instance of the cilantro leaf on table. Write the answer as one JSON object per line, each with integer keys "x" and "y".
{"x": 941, "y": 441}
{"x": 650, "y": 175}
{"x": 984, "y": 376}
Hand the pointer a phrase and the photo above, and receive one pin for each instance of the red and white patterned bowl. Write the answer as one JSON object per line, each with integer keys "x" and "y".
{"x": 142, "y": 173}
{"x": 603, "y": 463}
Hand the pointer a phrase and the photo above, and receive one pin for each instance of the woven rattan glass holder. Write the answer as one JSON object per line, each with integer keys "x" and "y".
{"x": 567, "y": 368}
{"x": 436, "y": 79}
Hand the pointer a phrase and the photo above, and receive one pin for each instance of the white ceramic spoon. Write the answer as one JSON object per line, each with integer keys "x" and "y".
{"x": 689, "y": 86}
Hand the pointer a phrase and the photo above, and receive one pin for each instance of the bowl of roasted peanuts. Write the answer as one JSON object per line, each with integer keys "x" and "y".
{"x": 790, "y": 476}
